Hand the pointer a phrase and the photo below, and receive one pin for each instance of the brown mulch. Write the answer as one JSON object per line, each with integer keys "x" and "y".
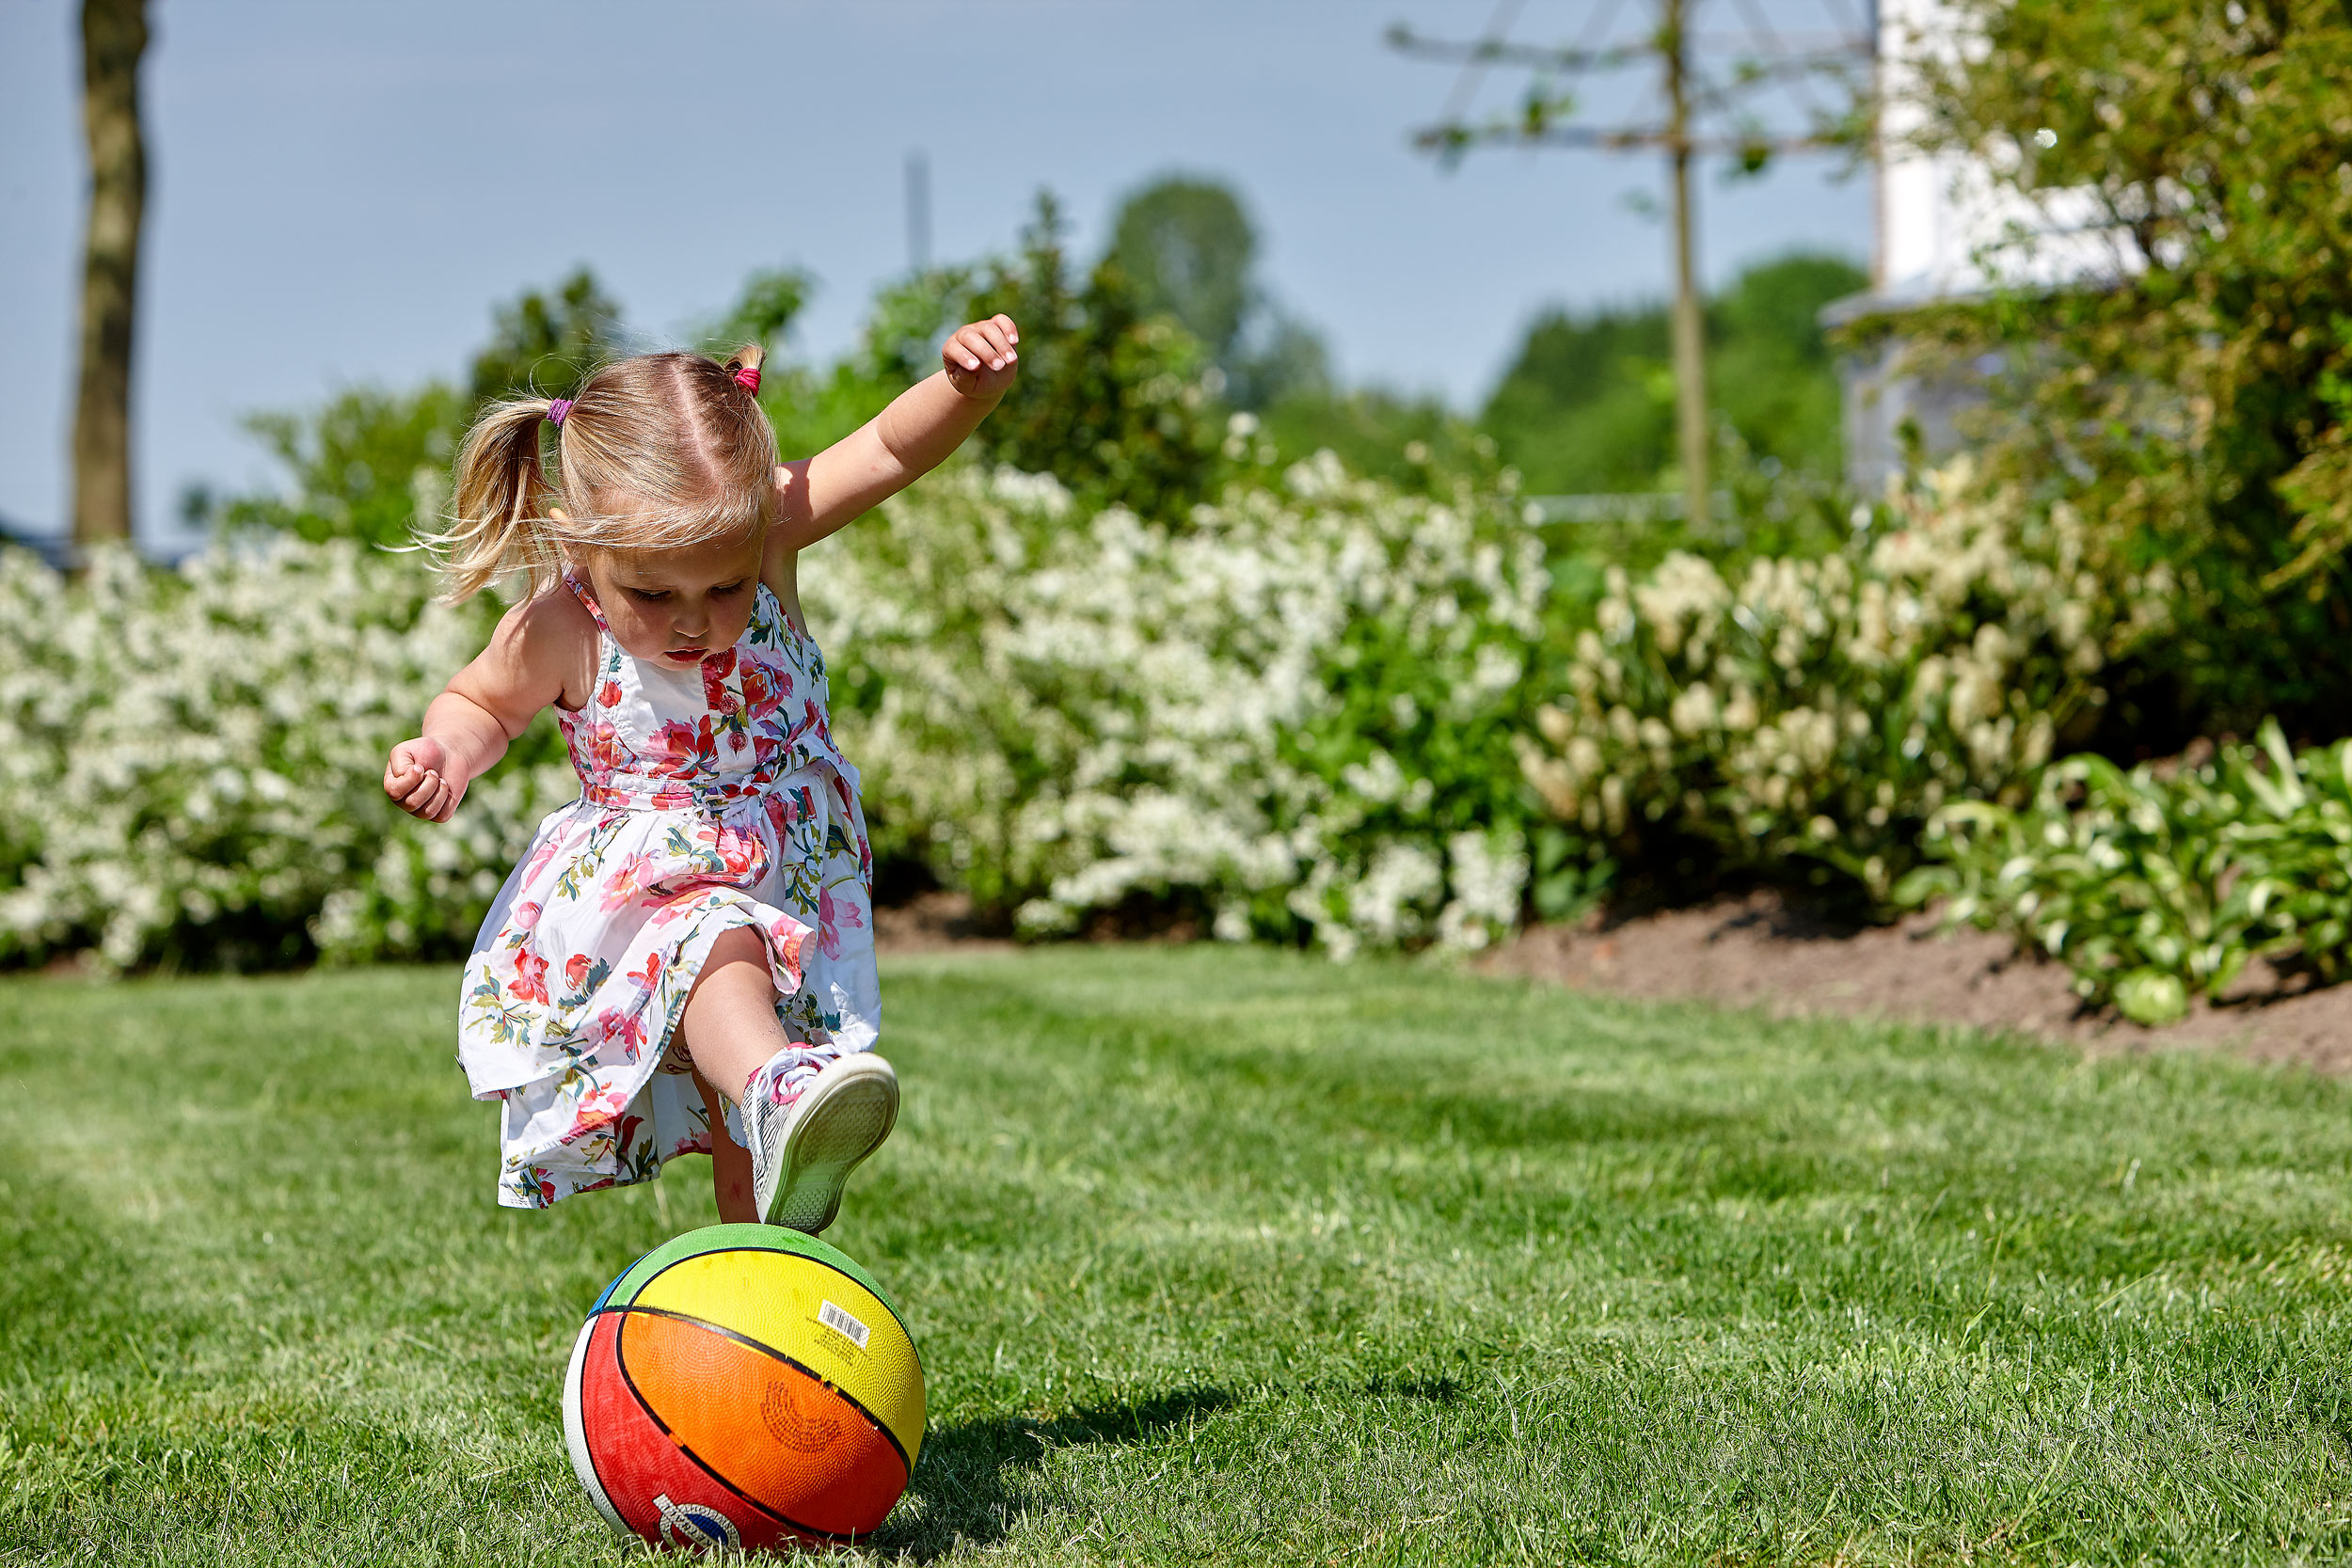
{"x": 934, "y": 923}
{"x": 1761, "y": 951}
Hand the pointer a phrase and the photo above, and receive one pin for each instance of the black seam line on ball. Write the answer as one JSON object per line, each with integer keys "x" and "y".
{"x": 620, "y": 1359}
{"x": 586, "y": 1447}
{"x": 800, "y": 1367}
{"x": 731, "y": 1246}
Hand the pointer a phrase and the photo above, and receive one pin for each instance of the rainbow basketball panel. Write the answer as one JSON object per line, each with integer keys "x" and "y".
{"x": 744, "y": 1386}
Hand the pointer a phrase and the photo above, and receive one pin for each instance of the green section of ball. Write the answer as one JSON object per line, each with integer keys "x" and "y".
{"x": 730, "y": 1238}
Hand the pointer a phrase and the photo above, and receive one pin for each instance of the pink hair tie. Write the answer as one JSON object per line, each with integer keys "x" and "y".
{"x": 747, "y": 378}
{"x": 557, "y": 409}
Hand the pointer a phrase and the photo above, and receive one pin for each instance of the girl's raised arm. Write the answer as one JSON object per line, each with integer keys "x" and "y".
{"x": 905, "y": 441}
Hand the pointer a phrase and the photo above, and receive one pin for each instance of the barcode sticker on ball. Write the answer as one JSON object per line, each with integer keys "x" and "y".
{"x": 835, "y": 1319}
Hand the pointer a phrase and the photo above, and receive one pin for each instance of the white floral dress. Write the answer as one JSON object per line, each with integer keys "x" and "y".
{"x": 710, "y": 798}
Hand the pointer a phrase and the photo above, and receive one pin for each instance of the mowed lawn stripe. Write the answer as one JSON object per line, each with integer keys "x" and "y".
{"x": 1219, "y": 1255}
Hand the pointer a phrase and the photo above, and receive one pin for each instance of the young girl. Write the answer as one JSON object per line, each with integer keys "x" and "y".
{"x": 701, "y": 913}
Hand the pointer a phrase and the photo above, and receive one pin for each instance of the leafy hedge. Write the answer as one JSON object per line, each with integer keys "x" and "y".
{"x": 1314, "y": 712}
{"x": 190, "y": 761}
{"x": 1293, "y": 710}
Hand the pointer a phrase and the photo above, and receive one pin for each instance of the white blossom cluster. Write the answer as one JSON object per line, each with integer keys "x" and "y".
{"x": 190, "y": 762}
{"x": 1824, "y": 709}
{"x": 1293, "y": 709}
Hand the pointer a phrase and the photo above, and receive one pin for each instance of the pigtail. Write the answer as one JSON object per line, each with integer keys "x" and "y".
{"x": 498, "y": 515}
{"x": 743, "y": 364}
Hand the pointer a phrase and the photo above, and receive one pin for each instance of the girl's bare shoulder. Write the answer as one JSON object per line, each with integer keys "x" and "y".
{"x": 550, "y": 620}
{"x": 544, "y": 651}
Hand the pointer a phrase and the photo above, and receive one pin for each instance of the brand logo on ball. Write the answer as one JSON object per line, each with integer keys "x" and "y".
{"x": 693, "y": 1524}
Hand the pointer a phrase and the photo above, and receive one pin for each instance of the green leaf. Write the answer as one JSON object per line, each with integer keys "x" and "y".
{"x": 2151, "y": 997}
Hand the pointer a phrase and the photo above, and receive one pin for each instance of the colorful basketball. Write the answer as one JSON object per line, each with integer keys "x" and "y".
{"x": 744, "y": 1385}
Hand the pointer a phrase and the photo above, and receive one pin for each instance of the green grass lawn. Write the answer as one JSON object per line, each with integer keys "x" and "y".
{"x": 1219, "y": 1256}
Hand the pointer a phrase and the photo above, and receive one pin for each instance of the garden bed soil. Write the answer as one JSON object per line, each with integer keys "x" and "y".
{"x": 935, "y": 922}
{"x": 1760, "y": 951}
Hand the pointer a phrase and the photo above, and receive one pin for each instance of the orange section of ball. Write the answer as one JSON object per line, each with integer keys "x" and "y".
{"x": 775, "y": 1433}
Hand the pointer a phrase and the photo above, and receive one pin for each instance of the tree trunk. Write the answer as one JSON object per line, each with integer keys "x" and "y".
{"x": 114, "y": 36}
{"x": 1690, "y": 327}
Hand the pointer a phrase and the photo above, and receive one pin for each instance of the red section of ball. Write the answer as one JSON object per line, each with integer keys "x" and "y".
{"x": 763, "y": 1425}
{"x": 658, "y": 1490}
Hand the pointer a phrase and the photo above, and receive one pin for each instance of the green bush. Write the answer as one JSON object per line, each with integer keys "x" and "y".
{"x": 2156, "y": 887}
{"x": 1289, "y": 714}
{"x": 193, "y": 762}
{"x": 1819, "y": 711}
{"x": 2191, "y": 397}
{"x": 1291, "y": 711}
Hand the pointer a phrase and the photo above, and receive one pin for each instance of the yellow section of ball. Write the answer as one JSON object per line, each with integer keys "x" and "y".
{"x": 781, "y": 1300}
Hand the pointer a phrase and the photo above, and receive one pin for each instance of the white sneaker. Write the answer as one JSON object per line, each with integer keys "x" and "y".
{"x": 802, "y": 1153}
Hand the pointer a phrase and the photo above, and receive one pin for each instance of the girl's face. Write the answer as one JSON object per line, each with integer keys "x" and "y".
{"x": 677, "y": 607}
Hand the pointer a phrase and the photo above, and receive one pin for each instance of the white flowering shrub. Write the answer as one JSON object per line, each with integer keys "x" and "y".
{"x": 1293, "y": 711}
{"x": 190, "y": 761}
{"x": 1823, "y": 709}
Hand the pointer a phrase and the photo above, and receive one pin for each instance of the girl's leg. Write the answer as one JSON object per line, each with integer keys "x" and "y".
{"x": 730, "y": 1020}
{"x": 814, "y": 1119}
{"x": 730, "y": 1162}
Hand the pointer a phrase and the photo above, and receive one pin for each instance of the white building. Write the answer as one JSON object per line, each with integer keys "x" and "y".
{"x": 1945, "y": 231}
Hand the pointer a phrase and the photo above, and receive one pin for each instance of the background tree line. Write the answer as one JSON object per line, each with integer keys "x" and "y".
{"x": 1136, "y": 362}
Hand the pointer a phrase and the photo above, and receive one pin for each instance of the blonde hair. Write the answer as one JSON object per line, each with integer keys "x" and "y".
{"x": 656, "y": 452}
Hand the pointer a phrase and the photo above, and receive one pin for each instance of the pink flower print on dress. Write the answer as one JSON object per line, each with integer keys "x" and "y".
{"x": 674, "y": 747}
{"x": 726, "y": 703}
{"x": 525, "y": 920}
{"x": 671, "y": 910}
{"x": 598, "y": 1109}
{"x": 766, "y": 684}
{"x": 625, "y": 883}
{"x": 830, "y": 916}
{"x": 543, "y": 856}
{"x": 604, "y": 746}
{"x": 716, "y": 669}
{"x": 683, "y": 751}
{"x": 786, "y": 940}
{"x": 529, "y": 983}
{"x": 627, "y": 1028}
{"x": 742, "y": 856}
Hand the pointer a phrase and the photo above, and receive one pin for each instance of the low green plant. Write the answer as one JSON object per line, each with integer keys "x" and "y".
{"x": 2156, "y": 887}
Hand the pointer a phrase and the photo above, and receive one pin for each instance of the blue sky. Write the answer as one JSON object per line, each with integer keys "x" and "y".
{"x": 340, "y": 192}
